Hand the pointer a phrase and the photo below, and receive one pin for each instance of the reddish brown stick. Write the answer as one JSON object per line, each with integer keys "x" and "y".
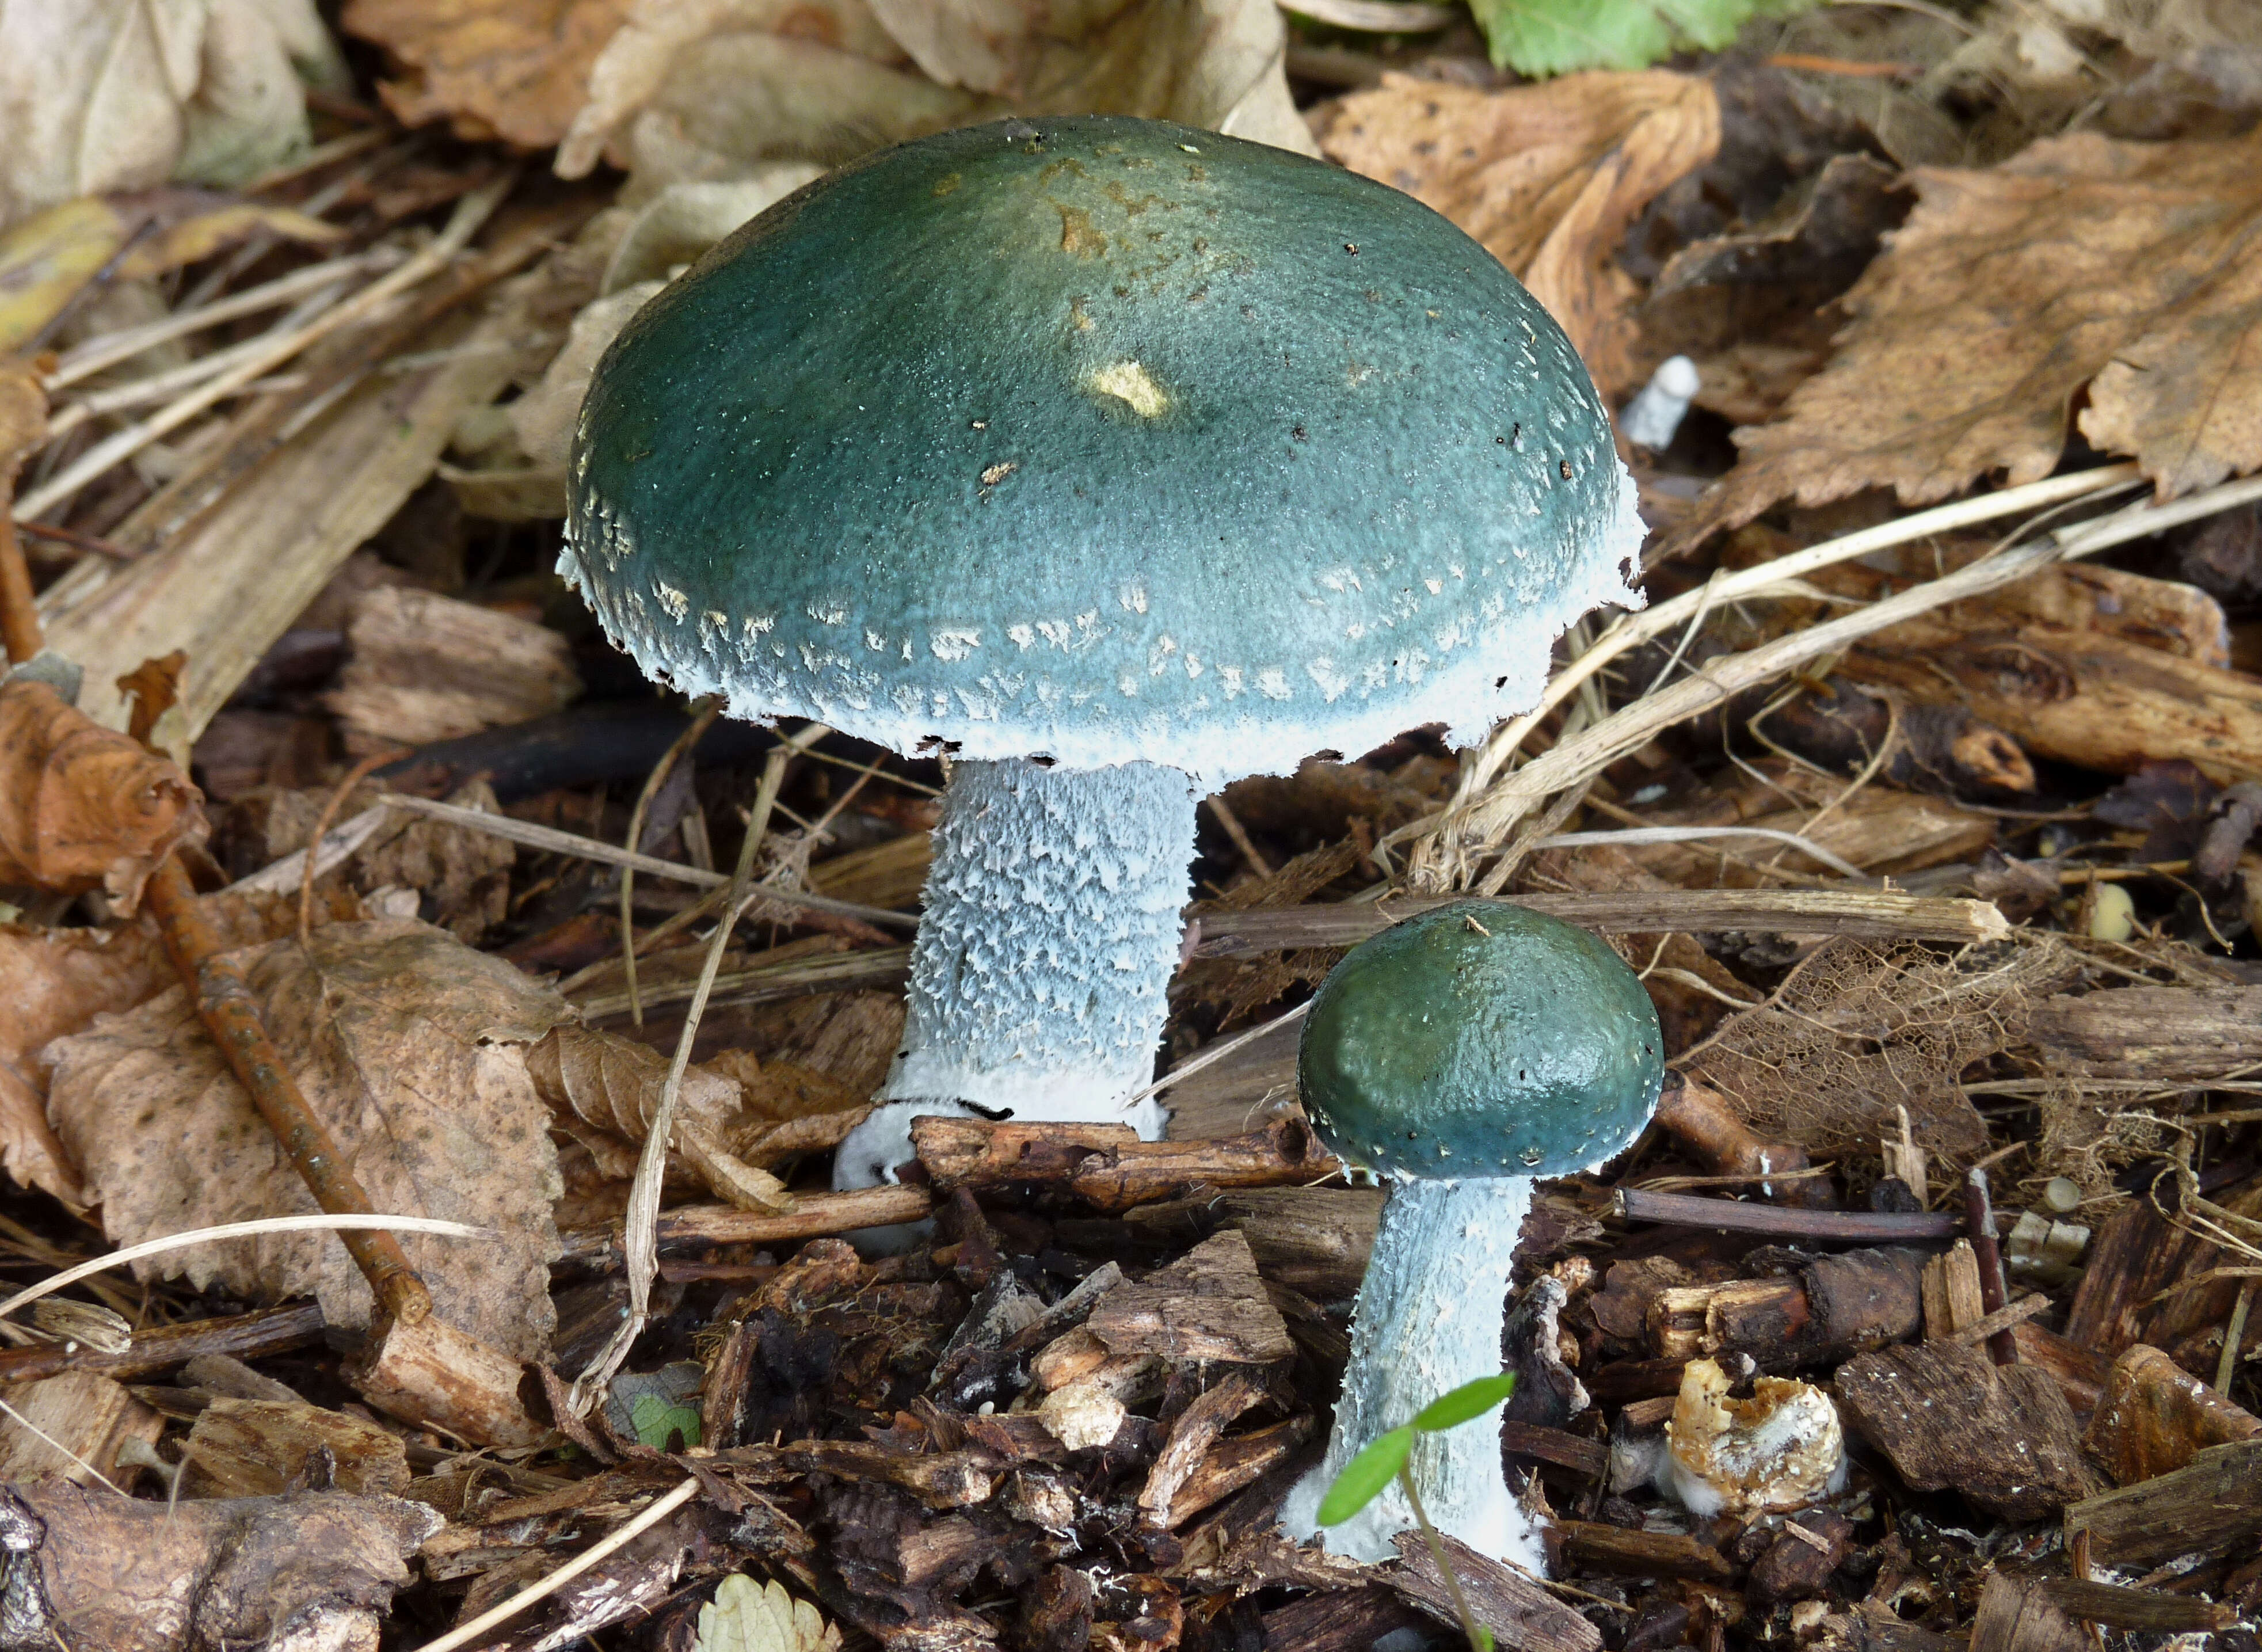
{"x": 1979, "y": 1211}
{"x": 226, "y": 1006}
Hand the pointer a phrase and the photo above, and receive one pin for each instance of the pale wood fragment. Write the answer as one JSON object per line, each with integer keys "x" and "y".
{"x": 1951, "y": 1292}
{"x": 1523, "y": 1615}
{"x": 70, "y": 1427}
{"x": 257, "y": 1448}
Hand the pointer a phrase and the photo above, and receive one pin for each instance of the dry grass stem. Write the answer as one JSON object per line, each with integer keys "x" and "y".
{"x": 541, "y": 837}
{"x": 470, "y": 214}
{"x": 1471, "y": 831}
{"x": 110, "y": 349}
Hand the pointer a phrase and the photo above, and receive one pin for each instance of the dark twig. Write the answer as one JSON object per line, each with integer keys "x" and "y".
{"x": 1687, "y": 1210}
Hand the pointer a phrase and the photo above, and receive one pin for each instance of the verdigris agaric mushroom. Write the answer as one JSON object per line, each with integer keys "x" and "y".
{"x": 1458, "y": 1056}
{"x": 1113, "y": 461}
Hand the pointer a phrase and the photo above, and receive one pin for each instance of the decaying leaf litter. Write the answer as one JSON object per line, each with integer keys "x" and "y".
{"x": 1922, "y": 795}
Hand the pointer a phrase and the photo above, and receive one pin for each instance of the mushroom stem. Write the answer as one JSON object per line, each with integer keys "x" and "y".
{"x": 1041, "y": 973}
{"x": 1428, "y": 1319}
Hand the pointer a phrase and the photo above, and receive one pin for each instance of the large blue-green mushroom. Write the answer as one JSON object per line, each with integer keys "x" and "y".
{"x": 1458, "y": 1056}
{"x": 1112, "y": 461}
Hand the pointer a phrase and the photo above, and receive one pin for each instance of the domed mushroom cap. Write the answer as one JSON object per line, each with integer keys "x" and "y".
{"x": 1480, "y": 1040}
{"x": 1099, "y": 438}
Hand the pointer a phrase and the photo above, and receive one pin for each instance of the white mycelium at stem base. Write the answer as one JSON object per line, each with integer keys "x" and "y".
{"x": 1428, "y": 1320}
{"x": 1039, "y": 976}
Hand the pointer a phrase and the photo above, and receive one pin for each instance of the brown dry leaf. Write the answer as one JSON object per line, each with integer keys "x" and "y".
{"x": 708, "y": 89}
{"x": 1986, "y": 318}
{"x": 82, "y": 807}
{"x": 614, "y": 1084}
{"x": 1548, "y": 177}
{"x": 412, "y": 1048}
{"x": 56, "y": 981}
{"x": 515, "y": 70}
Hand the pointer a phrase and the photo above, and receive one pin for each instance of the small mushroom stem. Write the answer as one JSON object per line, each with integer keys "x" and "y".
{"x": 1428, "y": 1319}
{"x": 1041, "y": 973}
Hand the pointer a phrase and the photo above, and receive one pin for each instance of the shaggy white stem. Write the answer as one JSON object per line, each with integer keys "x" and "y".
{"x": 1430, "y": 1318}
{"x": 1041, "y": 974}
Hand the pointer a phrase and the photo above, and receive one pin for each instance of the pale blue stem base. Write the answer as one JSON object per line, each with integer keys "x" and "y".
{"x": 1041, "y": 974}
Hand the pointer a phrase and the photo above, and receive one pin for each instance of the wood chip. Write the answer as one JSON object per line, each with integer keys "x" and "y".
{"x": 1207, "y": 1305}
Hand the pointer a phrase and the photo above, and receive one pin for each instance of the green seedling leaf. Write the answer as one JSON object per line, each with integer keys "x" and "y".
{"x": 1553, "y": 37}
{"x": 1365, "y": 1475}
{"x": 657, "y": 1422}
{"x": 1466, "y": 1403}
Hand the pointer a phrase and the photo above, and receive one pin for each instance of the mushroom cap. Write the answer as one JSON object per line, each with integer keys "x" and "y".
{"x": 1480, "y": 1040}
{"x": 1093, "y": 439}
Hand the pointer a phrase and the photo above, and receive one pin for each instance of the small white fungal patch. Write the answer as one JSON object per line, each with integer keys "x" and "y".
{"x": 1272, "y": 683}
{"x": 953, "y": 645}
{"x": 1132, "y": 385}
{"x": 671, "y": 599}
{"x": 1133, "y": 597}
{"x": 1020, "y": 636}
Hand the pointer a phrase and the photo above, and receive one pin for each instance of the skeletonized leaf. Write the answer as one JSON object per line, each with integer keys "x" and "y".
{"x": 81, "y": 806}
{"x": 411, "y": 1047}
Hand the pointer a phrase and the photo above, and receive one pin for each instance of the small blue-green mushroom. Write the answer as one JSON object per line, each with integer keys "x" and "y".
{"x": 1458, "y": 1056}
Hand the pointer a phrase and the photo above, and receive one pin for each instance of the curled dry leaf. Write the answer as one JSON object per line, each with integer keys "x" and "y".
{"x": 1984, "y": 322}
{"x": 412, "y": 1048}
{"x": 788, "y": 1109}
{"x": 1548, "y": 177}
{"x": 103, "y": 95}
{"x": 613, "y": 1084}
{"x": 305, "y": 1569}
{"x": 81, "y": 806}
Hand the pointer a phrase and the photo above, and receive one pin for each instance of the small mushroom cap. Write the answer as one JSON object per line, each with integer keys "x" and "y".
{"x": 1099, "y": 438}
{"x": 1480, "y": 1040}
